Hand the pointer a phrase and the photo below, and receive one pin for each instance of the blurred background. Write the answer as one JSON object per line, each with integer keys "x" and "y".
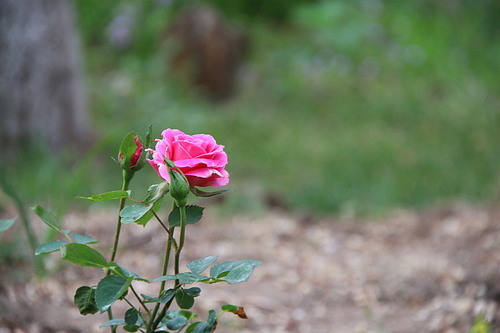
{"x": 327, "y": 108}
{"x": 345, "y": 107}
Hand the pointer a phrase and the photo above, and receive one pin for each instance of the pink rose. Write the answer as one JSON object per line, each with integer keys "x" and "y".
{"x": 198, "y": 156}
{"x": 137, "y": 155}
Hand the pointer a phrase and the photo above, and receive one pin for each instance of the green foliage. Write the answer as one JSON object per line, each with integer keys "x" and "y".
{"x": 50, "y": 247}
{"x": 199, "y": 265}
{"x": 110, "y": 289}
{"x": 193, "y": 214}
{"x": 7, "y": 223}
{"x": 228, "y": 271}
{"x": 481, "y": 326}
{"x": 108, "y": 196}
{"x": 49, "y": 219}
{"x": 83, "y": 255}
{"x": 85, "y": 300}
{"x": 381, "y": 114}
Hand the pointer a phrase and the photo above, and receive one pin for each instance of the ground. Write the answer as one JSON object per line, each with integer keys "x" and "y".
{"x": 431, "y": 271}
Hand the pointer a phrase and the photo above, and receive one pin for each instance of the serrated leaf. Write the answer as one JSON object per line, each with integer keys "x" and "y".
{"x": 107, "y": 196}
{"x": 83, "y": 255}
{"x": 134, "y": 212}
{"x": 114, "y": 322}
{"x": 6, "y": 224}
{"x": 48, "y": 218}
{"x": 82, "y": 239}
{"x": 234, "y": 271}
{"x": 183, "y": 299}
{"x": 193, "y": 215}
{"x": 50, "y": 247}
{"x": 199, "y": 265}
{"x": 110, "y": 289}
{"x": 131, "y": 316}
{"x": 85, "y": 300}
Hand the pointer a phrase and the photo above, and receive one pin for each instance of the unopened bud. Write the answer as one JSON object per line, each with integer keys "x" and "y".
{"x": 179, "y": 188}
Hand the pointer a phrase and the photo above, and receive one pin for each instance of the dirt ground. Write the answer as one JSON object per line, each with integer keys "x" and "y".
{"x": 430, "y": 271}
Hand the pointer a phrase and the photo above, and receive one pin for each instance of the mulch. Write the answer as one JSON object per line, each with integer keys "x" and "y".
{"x": 431, "y": 271}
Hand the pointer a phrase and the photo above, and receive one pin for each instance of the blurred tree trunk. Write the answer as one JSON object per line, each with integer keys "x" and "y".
{"x": 42, "y": 99}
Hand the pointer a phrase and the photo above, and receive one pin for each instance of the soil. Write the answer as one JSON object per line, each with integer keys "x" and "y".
{"x": 432, "y": 271}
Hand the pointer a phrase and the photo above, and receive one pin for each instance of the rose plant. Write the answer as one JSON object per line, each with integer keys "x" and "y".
{"x": 184, "y": 163}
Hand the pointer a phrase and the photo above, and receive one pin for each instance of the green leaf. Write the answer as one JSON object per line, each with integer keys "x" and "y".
{"x": 108, "y": 196}
{"x": 139, "y": 213}
{"x": 184, "y": 278}
{"x": 156, "y": 192}
{"x": 193, "y": 215}
{"x": 50, "y": 247}
{"x": 114, "y": 322}
{"x": 230, "y": 308}
{"x": 83, "y": 255}
{"x": 194, "y": 291}
{"x": 149, "y": 215}
{"x": 234, "y": 271}
{"x": 118, "y": 270}
{"x": 131, "y": 328}
{"x": 212, "y": 318}
{"x": 131, "y": 316}
{"x": 199, "y": 265}
{"x": 82, "y": 239}
{"x": 183, "y": 299}
{"x": 134, "y": 212}
{"x": 6, "y": 224}
{"x": 200, "y": 327}
{"x": 48, "y": 218}
{"x": 200, "y": 193}
{"x": 85, "y": 300}
{"x": 176, "y": 323}
{"x": 166, "y": 296}
{"x": 149, "y": 299}
{"x": 110, "y": 289}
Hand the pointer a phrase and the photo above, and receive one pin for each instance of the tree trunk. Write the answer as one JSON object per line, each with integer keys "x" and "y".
{"x": 42, "y": 99}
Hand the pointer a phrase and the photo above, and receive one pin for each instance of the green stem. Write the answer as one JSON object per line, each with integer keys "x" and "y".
{"x": 182, "y": 211}
{"x": 152, "y": 322}
{"x": 125, "y": 184}
{"x": 180, "y": 245}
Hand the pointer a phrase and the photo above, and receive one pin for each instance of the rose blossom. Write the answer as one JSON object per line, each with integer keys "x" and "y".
{"x": 198, "y": 156}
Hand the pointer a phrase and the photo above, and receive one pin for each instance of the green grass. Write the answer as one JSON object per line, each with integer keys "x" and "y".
{"x": 360, "y": 112}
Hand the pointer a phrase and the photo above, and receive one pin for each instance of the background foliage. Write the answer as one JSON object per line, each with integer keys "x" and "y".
{"x": 351, "y": 107}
